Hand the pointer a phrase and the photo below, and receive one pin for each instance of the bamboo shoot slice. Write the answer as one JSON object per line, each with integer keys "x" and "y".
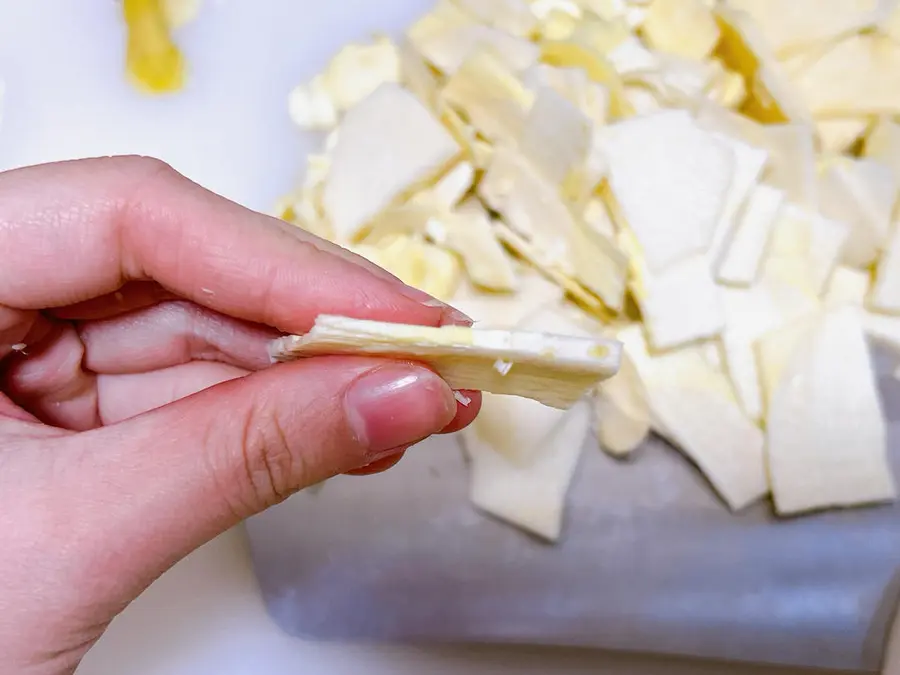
{"x": 555, "y": 370}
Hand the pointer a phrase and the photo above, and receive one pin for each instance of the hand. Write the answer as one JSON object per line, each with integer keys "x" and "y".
{"x": 139, "y": 414}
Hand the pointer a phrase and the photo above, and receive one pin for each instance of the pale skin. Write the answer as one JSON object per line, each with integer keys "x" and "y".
{"x": 139, "y": 413}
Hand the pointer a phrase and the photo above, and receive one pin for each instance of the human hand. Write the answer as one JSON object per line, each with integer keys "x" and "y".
{"x": 142, "y": 418}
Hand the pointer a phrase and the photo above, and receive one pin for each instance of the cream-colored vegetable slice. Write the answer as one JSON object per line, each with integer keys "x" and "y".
{"x": 686, "y": 169}
{"x": 417, "y": 263}
{"x": 744, "y": 255}
{"x": 621, "y": 412}
{"x": 310, "y": 189}
{"x": 482, "y": 154}
{"x": 443, "y": 15}
{"x": 301, "y": 210}
{"x": 690, "y": 79}
{"x": 775, "y": 349}
{"x": 596, "y": 216}
{"x": 529, "y": 497}
{"x": 557, "y": 319}
{"x": 553, "y": 267}
{"x": 749, "y": 163}
{"x": 594, "y": 171}
{"x": 682, "y": 304}
{"x": 608, "y": 10}
{"x": 837, "y": 136}
{"x": 516, "y": 427}
{"x": 491, "y": 96}
{"x": 714, "y": 432}
{"x": 600, "y": 265}
{"x": 441, "y": 272}
{"x": 525, "y": 434}
{"x": 744, "y": 48}
{"x": 410, "y": 219}
{"x": 602, "y": 34}
{"x": 692, "y": 405}
{"x": 867, "y": 68}
{"x": 588, "y": 48}
{"x": 826, "y": 433}
{"x": 728, "y": 88}
{"x": 683, "y": 27}
{"x": 792, "y": 161}
{"x": 861, "y": 193}
{"x": 418, "y": 76}
{"x": 800, "y": 24}
{"x": 889, "y": 24}
{"x": 715, "y": 118}
{"x": 520, "y": 447}
{"x": 790, "y": 150}
{"x": 631, "y": 56}
{"x": 642, "y": 100}
{"x": 557, "y": 24}
{"x": 883, "y": 143}
{"x": 847, "y": 286}
{"x": 311, "y": 107}
{"x": 359, "y": 69}
{"x": 809, "y": 244}
{"x": 825, "y": 243}
{"x": 510, "y": 16}
{"x": 529, "y": 204}
{"x": 469, "y": 233}
{"x": 388, "y": 145}
{"x": 555, "y": 136}
{"x": 791, "y": 271}
{"x": 774, "y": 98}
{"x": 555, "y": 370}
{"x": 573, "y": 84}
{"x": 670, "y": 365}
{"x": 456, "y": 183}
{"x": 506, "y": 310}
{"x": 464, "y": 133}
{"x": 666, "y": 88}
{"x": 750, "y": 313}
{"x": 886, "y": 289}
{"x": 432, "y": 34}
{"x": 544, "y": 9}
{"x": 449, "y": 51}
{"x": 513, "y": 427}
{"x": 635, "y": 14}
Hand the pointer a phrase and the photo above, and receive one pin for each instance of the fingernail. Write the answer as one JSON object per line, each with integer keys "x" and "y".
{"x": 397, "y": 405}
{"x": 452, "y": 316}
{"x": 457, "y": 318}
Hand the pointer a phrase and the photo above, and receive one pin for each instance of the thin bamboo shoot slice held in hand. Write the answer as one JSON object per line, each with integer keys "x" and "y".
{"x": 556, "y": 370}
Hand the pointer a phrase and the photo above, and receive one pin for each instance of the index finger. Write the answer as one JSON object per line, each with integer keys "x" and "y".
{"x": 76, "y": 230}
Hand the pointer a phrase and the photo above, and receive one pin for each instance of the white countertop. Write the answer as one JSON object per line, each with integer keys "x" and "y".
{"x": 66, "y": 98}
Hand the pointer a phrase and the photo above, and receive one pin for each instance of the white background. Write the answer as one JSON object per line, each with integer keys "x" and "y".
{"x": 65, "y": 98}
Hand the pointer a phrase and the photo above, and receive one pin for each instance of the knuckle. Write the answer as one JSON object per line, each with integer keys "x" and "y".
{"x": 268, "y": 468}
{"x": 145, "y": 168}
{"x": 149, "y": 186}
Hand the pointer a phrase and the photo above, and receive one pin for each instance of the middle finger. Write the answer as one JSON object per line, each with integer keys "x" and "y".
{"x": 169, "y": 334}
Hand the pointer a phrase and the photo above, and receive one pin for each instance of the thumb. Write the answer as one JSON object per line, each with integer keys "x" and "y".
{"x": 157, "y": 486}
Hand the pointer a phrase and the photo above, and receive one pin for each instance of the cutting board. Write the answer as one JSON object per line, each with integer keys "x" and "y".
{"x": 649, "y": 561}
